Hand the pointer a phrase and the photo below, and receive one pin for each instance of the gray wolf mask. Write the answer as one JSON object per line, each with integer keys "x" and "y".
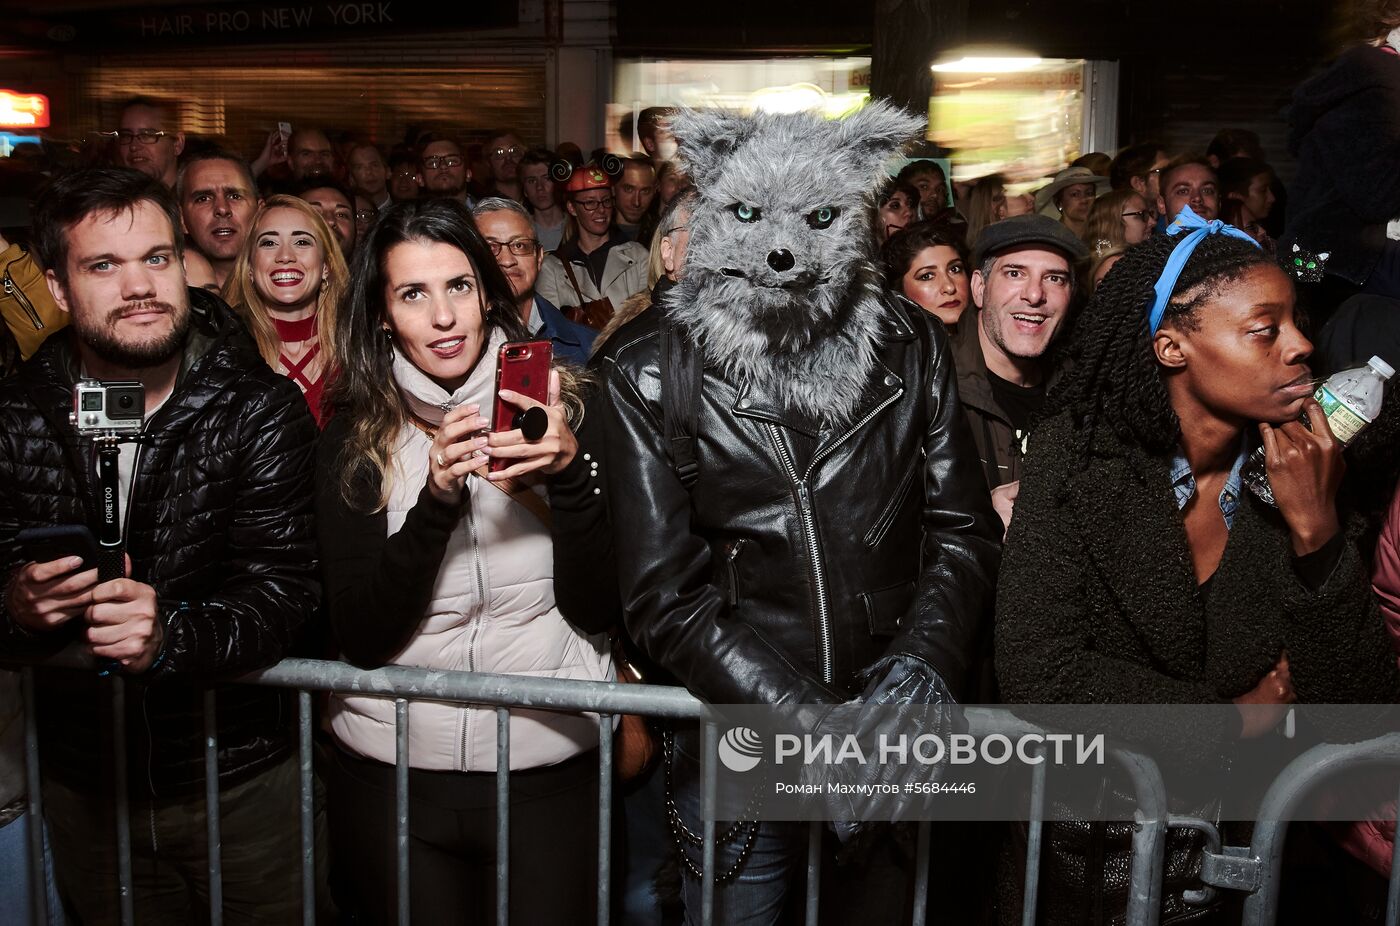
{"x": 780, "y": 285}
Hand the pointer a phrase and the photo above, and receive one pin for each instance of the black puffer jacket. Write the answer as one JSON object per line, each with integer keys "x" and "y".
{"x": 802, "y": 554}
{"x": 219, "y": 523}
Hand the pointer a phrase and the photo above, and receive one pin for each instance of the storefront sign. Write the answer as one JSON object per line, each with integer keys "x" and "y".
{"x": 270, "y": 22}
{"x": 23, "y": 110}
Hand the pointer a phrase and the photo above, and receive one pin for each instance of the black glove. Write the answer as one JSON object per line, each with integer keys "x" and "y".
{"x": 903, "y": 694}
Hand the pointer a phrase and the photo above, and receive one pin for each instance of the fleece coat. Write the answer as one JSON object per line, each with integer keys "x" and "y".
{"x": 1097, "y": 601}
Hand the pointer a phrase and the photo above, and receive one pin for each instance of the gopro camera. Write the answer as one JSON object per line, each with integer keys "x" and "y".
{"x": 108, "y": 407}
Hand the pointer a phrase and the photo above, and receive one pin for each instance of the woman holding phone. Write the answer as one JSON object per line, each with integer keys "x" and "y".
{"x": 433, "y": 560}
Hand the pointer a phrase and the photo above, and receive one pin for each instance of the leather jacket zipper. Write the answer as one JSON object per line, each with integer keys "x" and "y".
{"x": 12, "y": 289}
{"x": 864, "y": 420}
{"x": 886, "y": 519}
{"x": 814, "y": 554}
{"x": 474, "y": 635}
{"x": 809, "y": 529}
{"x": 731, "y": 565}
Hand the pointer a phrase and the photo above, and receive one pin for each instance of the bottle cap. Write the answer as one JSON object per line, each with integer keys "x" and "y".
{"x": 1380, "y": 366}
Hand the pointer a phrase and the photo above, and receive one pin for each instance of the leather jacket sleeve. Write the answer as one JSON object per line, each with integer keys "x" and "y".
{"x": 961, "y": 533}
{"x": 255, "y": 616}
{"x": 672, "y": 609}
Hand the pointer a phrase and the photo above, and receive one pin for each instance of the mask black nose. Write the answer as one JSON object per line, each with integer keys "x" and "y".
{"x": 780, "y": 259}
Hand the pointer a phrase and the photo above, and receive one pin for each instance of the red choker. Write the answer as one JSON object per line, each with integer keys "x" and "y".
{"x": 292, "y": 332}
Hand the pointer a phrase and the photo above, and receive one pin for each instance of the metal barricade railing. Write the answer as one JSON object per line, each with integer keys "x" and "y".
{"x": 502, "y": 692}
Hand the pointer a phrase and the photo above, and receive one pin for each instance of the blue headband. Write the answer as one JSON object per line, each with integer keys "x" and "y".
{"x": 1177, "y": 262}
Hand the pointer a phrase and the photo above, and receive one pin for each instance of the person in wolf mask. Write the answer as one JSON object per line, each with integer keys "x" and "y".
{"x": 820, "y": 533}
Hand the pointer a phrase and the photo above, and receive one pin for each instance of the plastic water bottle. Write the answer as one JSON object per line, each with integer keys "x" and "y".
{"x": 1351, "y": 400}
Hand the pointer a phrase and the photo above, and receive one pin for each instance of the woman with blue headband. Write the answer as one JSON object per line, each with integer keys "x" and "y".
{"x": 1137, "y": 568}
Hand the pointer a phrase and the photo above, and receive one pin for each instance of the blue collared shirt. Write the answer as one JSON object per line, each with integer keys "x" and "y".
{"x": 1184, "y": 485}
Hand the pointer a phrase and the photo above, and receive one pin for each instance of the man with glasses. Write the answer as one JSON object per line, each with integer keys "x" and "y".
{"x": 146, "y": 139}
{"x": 503, "y": 152}
{"x": 507, "y": 228}
{"x": 1140, "y": 167}
{"x": 442, "y": 170}
{"x": 595, "y": 270}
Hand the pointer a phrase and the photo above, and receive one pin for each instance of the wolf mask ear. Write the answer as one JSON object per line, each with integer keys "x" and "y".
{"x": 877, "y": 132}
{"x": 706, "y": 138}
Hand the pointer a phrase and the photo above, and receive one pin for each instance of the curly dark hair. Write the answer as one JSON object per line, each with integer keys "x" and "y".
{"x": 1113, "y": 378}
{"x": 904, "y": 245}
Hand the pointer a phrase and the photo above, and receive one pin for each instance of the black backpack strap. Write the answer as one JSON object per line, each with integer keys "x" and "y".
{"x": 681, "y": 374}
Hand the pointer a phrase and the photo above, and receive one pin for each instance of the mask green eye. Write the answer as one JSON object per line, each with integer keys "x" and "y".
{"x": 746, "y": 213}
{"x": 1297, "y": 262}
{"x": 1312, "y": 265}
{"x": 823, "y": 217}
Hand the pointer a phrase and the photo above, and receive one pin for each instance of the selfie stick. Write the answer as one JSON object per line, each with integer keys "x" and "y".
{"x": 111, "y": 564}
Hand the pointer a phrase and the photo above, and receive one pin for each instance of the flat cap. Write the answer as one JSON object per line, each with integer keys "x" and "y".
{"x": 1021, "y": 230}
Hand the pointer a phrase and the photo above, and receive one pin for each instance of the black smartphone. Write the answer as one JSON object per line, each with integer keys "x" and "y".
{"x": 46, "y": 544}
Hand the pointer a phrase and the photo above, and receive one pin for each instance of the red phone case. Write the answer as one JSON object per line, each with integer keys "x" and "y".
{"x": 523, "y": 367}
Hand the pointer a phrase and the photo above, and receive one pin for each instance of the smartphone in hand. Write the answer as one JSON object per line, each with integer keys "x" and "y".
{"x": 523, "y": 367}
{"x": 46, "y": 544}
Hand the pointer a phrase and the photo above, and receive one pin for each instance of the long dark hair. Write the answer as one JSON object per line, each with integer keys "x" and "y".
{"x": 1113, "y": 378}
{"x": 364, "y": 392}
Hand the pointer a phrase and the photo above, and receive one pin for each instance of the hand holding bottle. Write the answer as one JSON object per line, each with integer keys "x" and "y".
{"x": 1305, "y": 469}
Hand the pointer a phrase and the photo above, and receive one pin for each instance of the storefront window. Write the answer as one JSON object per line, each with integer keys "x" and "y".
{"x": 1019, "y": 116}
{"x": 835, "y": 86}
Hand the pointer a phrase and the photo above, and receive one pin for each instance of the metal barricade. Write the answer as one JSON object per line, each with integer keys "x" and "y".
{"x": 502, "y": 692}
{"x": 1258, "y": 869}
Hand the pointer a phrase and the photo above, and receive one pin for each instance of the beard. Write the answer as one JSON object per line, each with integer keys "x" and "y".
{"x": 99, "y": 334}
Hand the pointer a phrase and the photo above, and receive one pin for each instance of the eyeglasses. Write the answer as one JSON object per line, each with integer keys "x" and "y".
{"x": 678, "y": 228}
{"x": 593, "y": 205}
{"x": 1140, "y": 214}
{"x": 514, "y": 151}
{"x": 452, "y": 160}
{"x": 406, "y": 175}
{"x": 517, "y": 246}
{"x": 126, "y": 138}
{"x": 365, "y": 215}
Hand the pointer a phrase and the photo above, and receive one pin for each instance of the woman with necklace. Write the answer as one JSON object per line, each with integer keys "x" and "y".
{"x": 286, "y": 284}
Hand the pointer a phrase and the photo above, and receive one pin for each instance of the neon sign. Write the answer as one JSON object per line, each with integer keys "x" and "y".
{"x": 23, "y": 110}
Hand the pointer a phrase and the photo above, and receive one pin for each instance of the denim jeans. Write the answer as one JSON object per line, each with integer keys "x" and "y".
{"x": 647, "y": 838}
{"x": 757, "y": 892}
{"x": 875, "y": 887}
{"x": 16, "y": 888}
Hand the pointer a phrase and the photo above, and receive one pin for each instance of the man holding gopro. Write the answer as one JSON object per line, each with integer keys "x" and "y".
{"x": 220, "y": 572}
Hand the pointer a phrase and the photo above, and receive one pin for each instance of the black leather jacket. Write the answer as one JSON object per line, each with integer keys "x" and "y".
{"x": 802, "y": 554}
{"x": 219, "y": 523}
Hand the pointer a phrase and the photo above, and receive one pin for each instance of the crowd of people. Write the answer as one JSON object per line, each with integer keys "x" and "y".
{"x": 816, "y": 431}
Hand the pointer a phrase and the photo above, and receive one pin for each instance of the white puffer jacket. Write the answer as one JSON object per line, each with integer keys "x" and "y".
{"x": 492, "y": 610}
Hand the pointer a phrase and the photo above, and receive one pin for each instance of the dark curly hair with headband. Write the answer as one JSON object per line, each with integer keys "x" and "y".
{"x": 1113, "y": 379}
